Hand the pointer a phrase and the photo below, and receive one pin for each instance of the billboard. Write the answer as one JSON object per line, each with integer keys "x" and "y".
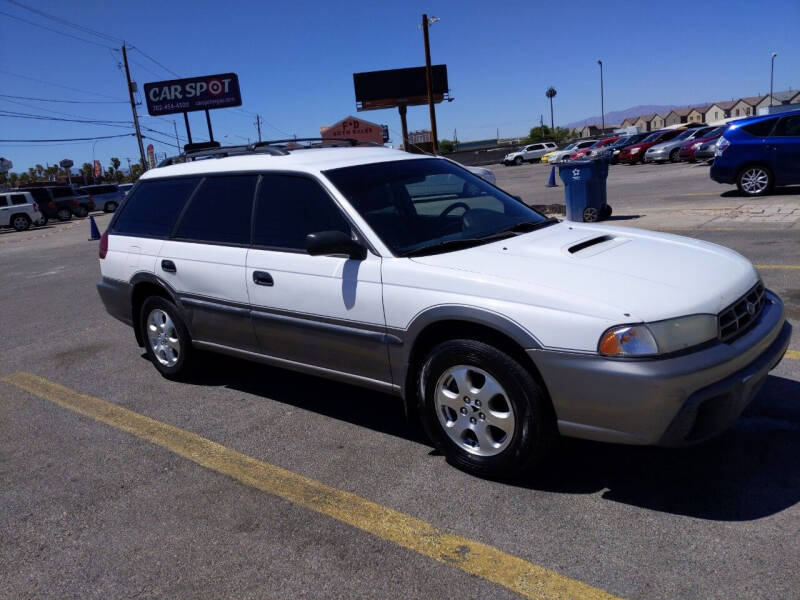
{"x": 98, "y": 168}
{"x": 195, "y": 93}
{"x": 386, "y": 89}
{"x": 151, "y": 156}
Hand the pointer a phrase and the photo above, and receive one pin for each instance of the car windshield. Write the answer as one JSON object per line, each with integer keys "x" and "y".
{"x": 686, "y": 134}
{"x": 716, "y": 132}
{"x": 652, "y": 137}
{"x": 425, "y": 206}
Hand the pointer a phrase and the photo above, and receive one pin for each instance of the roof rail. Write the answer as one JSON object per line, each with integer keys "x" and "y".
{"x": 349, "y": 141}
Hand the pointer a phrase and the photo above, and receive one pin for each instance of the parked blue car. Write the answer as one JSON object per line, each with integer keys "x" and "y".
{"x": 759, "y": 153}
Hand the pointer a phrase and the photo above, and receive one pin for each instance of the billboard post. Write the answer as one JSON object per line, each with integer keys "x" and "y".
{"x": 429, "y": 85}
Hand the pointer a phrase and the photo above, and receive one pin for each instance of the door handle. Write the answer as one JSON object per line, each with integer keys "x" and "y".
{"x": 263, "y": 278}
{"x": 168, "y": 266}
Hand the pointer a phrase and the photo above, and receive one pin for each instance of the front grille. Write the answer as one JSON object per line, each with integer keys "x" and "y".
{"x": 735, "y": 320}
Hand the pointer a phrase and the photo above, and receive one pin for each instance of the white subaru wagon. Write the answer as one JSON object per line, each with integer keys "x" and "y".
{"x": 499, "y": 328}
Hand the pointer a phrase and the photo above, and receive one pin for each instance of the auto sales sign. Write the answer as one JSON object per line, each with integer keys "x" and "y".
{"x": 195, "y": 93}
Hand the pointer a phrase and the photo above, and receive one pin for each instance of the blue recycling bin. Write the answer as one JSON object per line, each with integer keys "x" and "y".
{"x": 585, "y": 189}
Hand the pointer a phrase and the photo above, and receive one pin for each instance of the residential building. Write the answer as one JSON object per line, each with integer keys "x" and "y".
{"x": 743, "y": 108}
{"x": 697, "y": 114}
{"x": 658, "y": 122}
{"x": 719, "y": 110}
{"x": 644, "y": 121}
{"x": 677, "y": 116}
{"x": 629, "y": 122}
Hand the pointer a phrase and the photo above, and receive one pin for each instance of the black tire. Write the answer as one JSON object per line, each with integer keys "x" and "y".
{"x": 110, "y": 207}
{"x": 64, "y": 214}
{"x": 21, "y": 222}
{"x": 606, "y": 211}
{"x": 185, "y": 359}
{"x": 755, "y": 180}
{"x": 42, "y": 221}
{"x": 81, "y": 212}
{"x": 673, "y": 156}
{"x": 518, "y": 161}
{"x": 534, "y": 430}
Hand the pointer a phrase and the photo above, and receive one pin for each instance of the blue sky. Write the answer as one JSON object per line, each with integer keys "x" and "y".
{"x": 295, "y": 62}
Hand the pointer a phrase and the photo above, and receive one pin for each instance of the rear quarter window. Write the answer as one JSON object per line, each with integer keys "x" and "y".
{"x": 60, "y": 192}
{"x": 760, "y": 128}
{"x": 154, "y": 208}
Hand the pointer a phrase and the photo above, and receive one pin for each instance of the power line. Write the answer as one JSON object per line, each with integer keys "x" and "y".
{"x": 80, "y": 39}
{"x": 65, "y": 101}
{"x": 59, "y": 85}
{"x": 63, "y": 21}
{"x": 87, "y": 139}
{"x": 142, "y": 52}
{"x": 48, "y": 110}
{"x": 44, "y": 118}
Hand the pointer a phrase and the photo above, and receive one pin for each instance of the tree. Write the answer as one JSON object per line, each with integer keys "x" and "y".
{"x": 136, "y": 171}
{"x": 31, "y": 174}
{"x": 13, "y": 178}
{"x": 39, "y": 171}
{"x": 446, "y": 146}
{"x": 87, "y": 170}
{"x": 115, "y": 162}
{"x": 544, "y": 133}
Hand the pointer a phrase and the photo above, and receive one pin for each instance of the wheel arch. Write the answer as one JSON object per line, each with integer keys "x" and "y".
{"x": 145, "y": 285}
{"x": 443, "y": 323}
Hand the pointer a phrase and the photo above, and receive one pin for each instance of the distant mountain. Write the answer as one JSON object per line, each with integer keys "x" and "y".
{"x": 617, "y": 116}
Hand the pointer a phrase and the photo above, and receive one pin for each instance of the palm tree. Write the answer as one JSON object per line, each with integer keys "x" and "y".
{"x": 551, "y": 93}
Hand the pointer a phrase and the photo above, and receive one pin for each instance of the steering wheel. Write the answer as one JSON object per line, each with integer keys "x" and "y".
{"x": 451, "y": 208}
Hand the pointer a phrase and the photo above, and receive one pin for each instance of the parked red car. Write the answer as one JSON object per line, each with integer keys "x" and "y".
{"x": 688, "y": 149}
{"x": 584, "y": 151}
{"x": 635, "y": 153}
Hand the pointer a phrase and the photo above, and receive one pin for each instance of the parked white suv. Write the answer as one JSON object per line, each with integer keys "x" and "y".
{"x": 410, "y": 275}
{"x": 530, "y": 153}
{"x": 18, "y": 210}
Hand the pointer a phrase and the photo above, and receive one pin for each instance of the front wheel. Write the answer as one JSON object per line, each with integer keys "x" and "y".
{"x": 42, "y": 221}
{"x": 166, "y": 338}
{"x": 484, "y": 410}
{"x": 754, "y": 181}
{"x": 673, "y": 156}
{"x": 518, "y": 161}
{"x": 110, "y": 207}
{"x": 81, "y": 212}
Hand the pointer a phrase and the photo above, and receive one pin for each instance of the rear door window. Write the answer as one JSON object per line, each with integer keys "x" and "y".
{"x": 788, "y": 127}
{"x": 760, "y": 128}
{"x": 154, "y": 208}
{"x": 220, "y": 211}
{"x": 62, "y": 192}
{"x": 19, "y": 199}
{"x": 3, "y": 201}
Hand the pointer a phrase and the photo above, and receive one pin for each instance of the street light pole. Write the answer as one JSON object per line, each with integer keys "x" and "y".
{"x": 771, "y": 77}
{"x": 434, "y": 137}
{"x": 550, "y": 93}
{"x": 602, "y": 100}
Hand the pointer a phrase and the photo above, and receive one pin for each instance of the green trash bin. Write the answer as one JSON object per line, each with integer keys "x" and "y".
{"x": 585, "y": 189}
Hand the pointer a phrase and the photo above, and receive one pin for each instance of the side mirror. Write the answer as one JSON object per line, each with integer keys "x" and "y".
{"x": 334, "y": 242}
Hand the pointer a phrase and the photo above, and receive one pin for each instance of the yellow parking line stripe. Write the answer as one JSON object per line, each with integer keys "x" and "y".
{"x": 518, "y": 575}
{"x": 777, "y": 266}
{"x": 792, "y": 354}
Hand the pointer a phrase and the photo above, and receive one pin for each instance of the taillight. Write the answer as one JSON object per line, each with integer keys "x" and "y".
{"x": 103, "y": 248}
{"x": 74, "y": 203}
{"x": 91, "y": 199}
{"x": 51, "y": 205}
{"x": 722, "y": 143}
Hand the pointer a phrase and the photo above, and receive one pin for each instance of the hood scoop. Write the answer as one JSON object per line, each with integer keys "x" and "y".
{"x": 589, "y": 243}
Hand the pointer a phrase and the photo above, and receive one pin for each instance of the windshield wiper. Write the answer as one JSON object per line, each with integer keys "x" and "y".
{"x": 528, "y": 226}
{"x": 458, "y": 244}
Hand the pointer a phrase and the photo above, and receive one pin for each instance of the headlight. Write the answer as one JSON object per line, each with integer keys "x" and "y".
{"x": 697, "y": 145}
{"x": 661, "y": 337}
{"x": 635, "y": 150}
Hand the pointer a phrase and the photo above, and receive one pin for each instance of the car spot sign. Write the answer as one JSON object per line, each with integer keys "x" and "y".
{"x": 195, "y": 93}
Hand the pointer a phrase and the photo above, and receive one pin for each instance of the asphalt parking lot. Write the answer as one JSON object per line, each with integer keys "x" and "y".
{"x": 252, "y": 482}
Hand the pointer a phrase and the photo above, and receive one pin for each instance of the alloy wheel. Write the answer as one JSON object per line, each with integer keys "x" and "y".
{"x": 474, "y": 410}
{"x": 755, "y": 181}
{"x": 163, "y": 337}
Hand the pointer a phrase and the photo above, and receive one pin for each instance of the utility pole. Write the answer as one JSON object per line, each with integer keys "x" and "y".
{"x": 771, "y": 76}
{"x": 602, "y": 101}
{"x": 258, "y": 127}
{"x": 434, "y": 139}
{"x": 177, "y": 139}
{"x": 133, "y": 106}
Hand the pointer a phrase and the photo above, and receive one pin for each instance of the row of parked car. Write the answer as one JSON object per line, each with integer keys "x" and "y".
{"x": 756, "y": 153}
{"x": 24, "y": 207}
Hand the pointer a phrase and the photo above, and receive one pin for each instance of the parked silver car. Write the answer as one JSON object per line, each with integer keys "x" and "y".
{"x": 107, "y": 197}
{"x": 668, "y": 151}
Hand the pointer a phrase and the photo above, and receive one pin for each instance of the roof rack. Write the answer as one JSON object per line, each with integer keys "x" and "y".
{"x": 272, "y": 147}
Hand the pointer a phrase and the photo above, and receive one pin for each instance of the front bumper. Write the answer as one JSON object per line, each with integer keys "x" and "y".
{"x": 670, "y": 401}
{"x": 656, "y": 156}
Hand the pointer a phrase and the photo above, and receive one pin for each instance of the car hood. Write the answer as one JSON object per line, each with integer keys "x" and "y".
{"x": 640, "y": 145}
{"x": 625, "y": 275}
{"x": 663, "y": 146}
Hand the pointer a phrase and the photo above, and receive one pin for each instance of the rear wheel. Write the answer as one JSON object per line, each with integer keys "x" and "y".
{"x": 590, "y": 214}
{"x": 81, "y": 212}
{"x": 754, "y": 180}
{"x": 21, "y": 222}
{"x": 166, "y": 338}
{"x": 110, "y": 207}
{"x": 483, "y": 409}
{"x": 64, "y": 214}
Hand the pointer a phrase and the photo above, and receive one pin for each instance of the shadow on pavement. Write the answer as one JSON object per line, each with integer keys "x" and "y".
{"x": 779, "y": 191}
{"x": 622, "y": 217}
{"x": 750, "y": 472}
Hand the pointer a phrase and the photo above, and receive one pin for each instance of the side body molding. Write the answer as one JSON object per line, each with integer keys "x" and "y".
{"x": 400, "y": 354}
